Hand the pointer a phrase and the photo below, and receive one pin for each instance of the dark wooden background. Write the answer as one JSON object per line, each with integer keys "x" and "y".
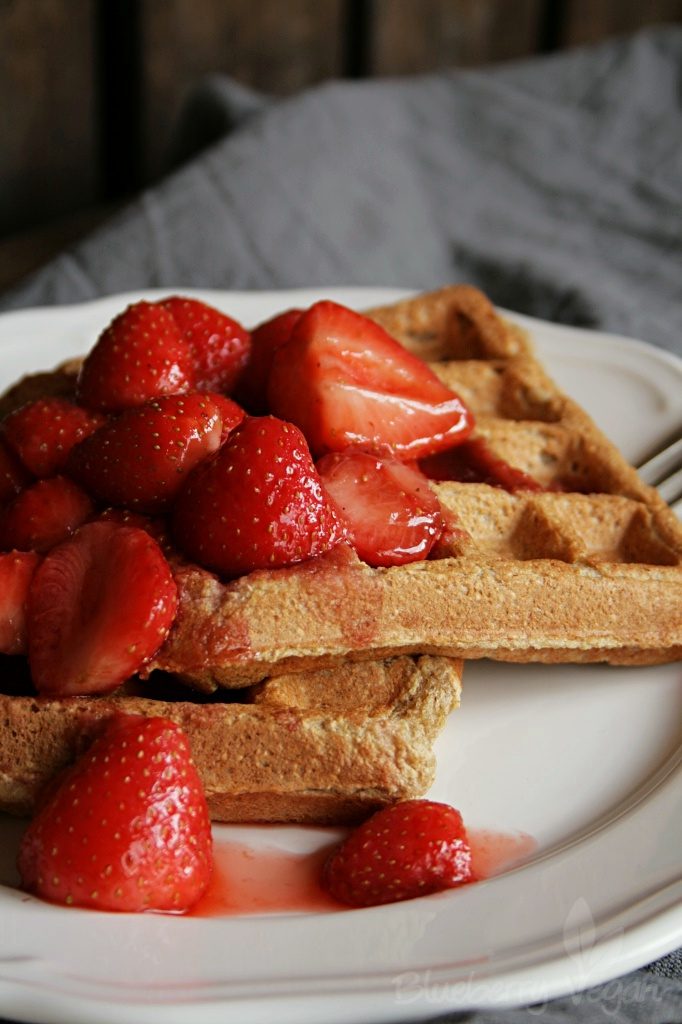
{"x": 91, "y": 88}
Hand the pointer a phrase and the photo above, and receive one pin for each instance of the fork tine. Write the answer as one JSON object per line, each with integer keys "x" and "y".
{"x": 665, "y": 464}
{"x": 670, "y": 489}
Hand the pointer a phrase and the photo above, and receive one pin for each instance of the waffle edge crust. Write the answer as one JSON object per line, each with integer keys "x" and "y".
{"x": 327, "y": 747}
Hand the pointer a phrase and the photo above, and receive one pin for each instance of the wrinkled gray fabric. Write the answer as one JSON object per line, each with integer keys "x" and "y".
{"x": 553, "y": 184}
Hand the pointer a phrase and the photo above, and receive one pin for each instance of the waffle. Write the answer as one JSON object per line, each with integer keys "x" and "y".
{"x": 588, "y": 569}
{"x": 325, "y": 747}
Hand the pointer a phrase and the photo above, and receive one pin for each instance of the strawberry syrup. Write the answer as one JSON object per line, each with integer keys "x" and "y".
{"x": 268, "y": 881}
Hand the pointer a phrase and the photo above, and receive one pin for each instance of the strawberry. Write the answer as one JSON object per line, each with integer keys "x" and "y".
{"x": 391, "y": 513}
{"x": 141, "y": 355}
{"x": 16, "y": 572}
{"x": 219, "y": 345}
{"x": 140, "y": 458}
{"x": 155, "y": 527}
{"x": 475, "y": 462}
{"x": 126, "y": 828}
{"x": 231, "y": 414}
{"x": 409, "y": 849}
{"x": 44, "y": 514}
{"x": 100, "y": 605}
{"x": 346, "y": 383}
{"x": 257, "y": 503}
{"x": 42, "y": 433}
{"x": 252, "y": 388}
{"x": 13, "y": 474}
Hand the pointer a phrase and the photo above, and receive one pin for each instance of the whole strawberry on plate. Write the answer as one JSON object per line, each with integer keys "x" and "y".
{"x": 126, "y": 828}
{"x": 409, "y": 849}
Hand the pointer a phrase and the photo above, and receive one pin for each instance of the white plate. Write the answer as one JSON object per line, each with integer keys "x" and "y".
{"x": 588, "y": 760}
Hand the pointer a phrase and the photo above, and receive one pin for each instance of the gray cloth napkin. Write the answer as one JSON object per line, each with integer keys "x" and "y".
{"x": 554, "y": 184}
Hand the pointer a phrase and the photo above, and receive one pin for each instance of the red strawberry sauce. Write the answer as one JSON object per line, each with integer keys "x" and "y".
{"x": 268, "y": 880}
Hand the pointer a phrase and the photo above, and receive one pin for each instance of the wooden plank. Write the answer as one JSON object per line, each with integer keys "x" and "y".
{"x": 275, "y": 47}
{"x": 22, "y": 253}
{"x": 47, "y": 119}
{"x": 411, "y": 36}
{"x": 589, "y": 21}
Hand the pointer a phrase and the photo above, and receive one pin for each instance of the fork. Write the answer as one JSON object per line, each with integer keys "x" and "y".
{"x": 664, "y": 472}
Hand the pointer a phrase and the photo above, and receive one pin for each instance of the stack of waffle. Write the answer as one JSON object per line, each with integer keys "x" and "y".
{"x": 320, "y": 688}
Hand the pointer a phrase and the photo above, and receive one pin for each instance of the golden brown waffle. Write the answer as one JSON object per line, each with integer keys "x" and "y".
{"x": 325, "y": 747}
{"x": 591, "y": 571}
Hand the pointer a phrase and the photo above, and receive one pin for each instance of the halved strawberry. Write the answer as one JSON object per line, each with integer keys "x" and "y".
{"x": 13, "y": 474}
{"x": 141, "y": 355}
{"x": 140, "y": 458}
{"x": 16, "y": 572}
{"x": 410, "y": 849}
{"x": 42, "y": 433}
{"x": 346, "y": 383}
{"x": 252, "y": 387}
{"x": 475, "y": 462}
{"x": 219, "y": 345}
{"x": 231, "y": 414}
{"x": 127, "y": 826}
{"x": 392, "y": 515}
{"x": 99, "y": 606}
{"x": 156, "y": 526}
{"x": 257, "y": 503}
{"x": 44, "y": 514}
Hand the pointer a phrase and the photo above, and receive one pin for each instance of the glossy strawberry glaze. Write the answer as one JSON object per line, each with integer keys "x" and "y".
{"x": 269, "y": 881}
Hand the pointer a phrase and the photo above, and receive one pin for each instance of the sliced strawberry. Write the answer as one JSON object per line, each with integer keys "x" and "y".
{"x": 474, "y": 462}
{"x": 140, "y": 458}
{"x": 252, "y": 388}
{"x": 141, "y": 355}
{"x": 346, "y": 383}
{"x": 13, "y": 474}
{"x": 219, "y": 345}
{"x": 100, "y": 605}
{"x": 42, "y": 433}
{"x": 231, "y": 414}
{"x": 392, "y": 515}
{"x": 126, "y": 828}
{"x": 44, "y": 514}
{"x": 257, "y": 503}
{"x": 410, "y": 849}
{"x": 16, "y": 572}
{"x": 156, "y": 527}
